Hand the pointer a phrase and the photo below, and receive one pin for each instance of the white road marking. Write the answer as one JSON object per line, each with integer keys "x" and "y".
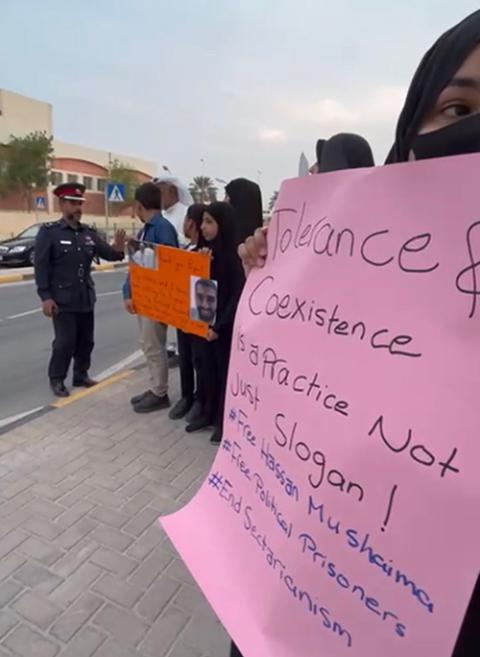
{"x": 39, "y": 310}
{"x": 120, "y": 365}
{"x": 20, "y": 416}
{"x": 108, "y": 294}
{"x": 27, "y": 312}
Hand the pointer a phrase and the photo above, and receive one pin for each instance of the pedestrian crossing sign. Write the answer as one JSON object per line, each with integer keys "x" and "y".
{"x": 116, "y": 192}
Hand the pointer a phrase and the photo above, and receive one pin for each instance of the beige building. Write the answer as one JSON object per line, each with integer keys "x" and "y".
{"x": 20, "y": 116}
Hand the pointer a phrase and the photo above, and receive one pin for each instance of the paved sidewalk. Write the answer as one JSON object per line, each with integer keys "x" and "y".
{"x": 85, "y": 569}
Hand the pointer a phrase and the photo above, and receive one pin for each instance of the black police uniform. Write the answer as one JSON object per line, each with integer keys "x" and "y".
{"x": 63, "y": 258}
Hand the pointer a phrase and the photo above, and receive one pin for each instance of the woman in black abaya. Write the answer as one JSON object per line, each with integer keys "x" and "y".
{"x": 245, "y": 197}
{"x": 218, "y": 230}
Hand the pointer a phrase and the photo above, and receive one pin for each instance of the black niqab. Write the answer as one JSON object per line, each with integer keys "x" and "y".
{"x": 436, "y": 69}
{"x": 346, "y": 151}
{"x": 246, "y": 198}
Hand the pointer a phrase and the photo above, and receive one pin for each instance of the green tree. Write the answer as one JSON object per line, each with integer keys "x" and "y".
{"x": 25, "y": 165}
{"x": 3, "y": 171}
{"x": 122, "y": 173}
{"x": 272, "y": 201}
{"x": 203, "y": 190}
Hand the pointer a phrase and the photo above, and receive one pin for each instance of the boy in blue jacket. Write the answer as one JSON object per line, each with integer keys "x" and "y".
{"x": 153, "y": 335}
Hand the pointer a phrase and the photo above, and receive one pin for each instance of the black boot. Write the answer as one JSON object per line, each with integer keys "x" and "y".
{"x": 200, "y": 423}
{"x": 84, "y": 382}
{"x": 195, "y": 412}
{"x": 59, "y": 389}
{"x": 216, "y": 437}
{"x": 180, "y": 409}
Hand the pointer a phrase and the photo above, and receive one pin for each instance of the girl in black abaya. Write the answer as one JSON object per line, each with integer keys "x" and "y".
{"x": 245, "y": 197}
{"x": 218, "y": 229}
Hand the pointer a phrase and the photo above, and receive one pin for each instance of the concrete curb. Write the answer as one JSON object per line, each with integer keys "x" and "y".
{"x": 76, "y": 395}
{"x": 17, "y": 278}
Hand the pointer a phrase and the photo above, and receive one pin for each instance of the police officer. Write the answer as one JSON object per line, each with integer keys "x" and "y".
{"x": 64, "y": 251}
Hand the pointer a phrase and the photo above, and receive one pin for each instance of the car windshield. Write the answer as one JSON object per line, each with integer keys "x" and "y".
{"x": 29, "y": 233}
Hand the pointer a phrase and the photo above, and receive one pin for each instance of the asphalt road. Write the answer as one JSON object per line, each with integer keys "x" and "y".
{"x": 26, "y": 336}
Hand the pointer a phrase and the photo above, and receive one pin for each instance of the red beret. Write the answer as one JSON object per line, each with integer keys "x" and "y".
{"x": 70, "y": 191}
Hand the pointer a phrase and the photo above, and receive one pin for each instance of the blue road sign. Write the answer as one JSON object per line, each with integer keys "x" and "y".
{"x": 40, "y": 202}
{"x": 115, "y": 192}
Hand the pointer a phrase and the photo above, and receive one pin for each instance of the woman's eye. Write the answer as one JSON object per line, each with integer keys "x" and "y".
{"x": 456, "y": 110}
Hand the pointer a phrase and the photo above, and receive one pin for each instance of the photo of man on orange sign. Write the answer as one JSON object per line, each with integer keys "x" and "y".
{"x": 203, "y": 299}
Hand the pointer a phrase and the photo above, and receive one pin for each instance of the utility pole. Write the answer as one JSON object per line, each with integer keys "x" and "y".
{"x": 107, "y": 208}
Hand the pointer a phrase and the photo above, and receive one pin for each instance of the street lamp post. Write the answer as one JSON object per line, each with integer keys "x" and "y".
{"x": 202, "y": 160}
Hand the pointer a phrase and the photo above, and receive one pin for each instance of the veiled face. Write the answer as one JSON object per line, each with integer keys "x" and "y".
{"x": 459, "y": 99}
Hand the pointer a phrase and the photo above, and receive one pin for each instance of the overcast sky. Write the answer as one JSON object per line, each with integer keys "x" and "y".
{"x": 244, "y": 85}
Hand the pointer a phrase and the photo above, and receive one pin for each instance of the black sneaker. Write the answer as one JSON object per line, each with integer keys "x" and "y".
{"x": 152, "y": 402}
{"x": 200, "y": 423}
{"x": 138, "y": 398}
{"x": 180, "y": 409}
{"x": 195, "y": 412}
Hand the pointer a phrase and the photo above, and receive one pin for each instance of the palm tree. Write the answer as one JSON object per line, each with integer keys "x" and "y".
{"x": 273, "y": 200}
{"x": 203, "y": 189}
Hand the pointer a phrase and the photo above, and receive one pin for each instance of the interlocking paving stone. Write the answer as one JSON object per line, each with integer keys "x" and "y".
{"x": 85, "y": 568}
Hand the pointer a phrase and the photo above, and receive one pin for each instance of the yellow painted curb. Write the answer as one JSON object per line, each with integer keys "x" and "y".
{"x": 18, "y": 278}
{"x": 12, "y": 278}
{"x": 110, "y": 266}
{"x": 103, "y": 267}
{"x": 90, "y": 391}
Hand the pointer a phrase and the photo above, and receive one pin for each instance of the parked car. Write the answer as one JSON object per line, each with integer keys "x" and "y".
{"x": 19, "y": 250}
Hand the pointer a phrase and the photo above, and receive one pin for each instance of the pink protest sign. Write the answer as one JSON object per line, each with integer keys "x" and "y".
{"x": 341, "y": 514}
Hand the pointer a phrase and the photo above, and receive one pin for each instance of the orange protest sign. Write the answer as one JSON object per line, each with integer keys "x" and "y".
{"x": 164, "y": 293}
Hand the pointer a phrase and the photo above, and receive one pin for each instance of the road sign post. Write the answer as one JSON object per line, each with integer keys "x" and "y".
{"x": 40, "y": 202}
{"x": 114, "y": 193}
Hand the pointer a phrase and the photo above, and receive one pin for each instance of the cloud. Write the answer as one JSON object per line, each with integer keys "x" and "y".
{"x": 272, "y": 135}
{"x": 380, "y": 105}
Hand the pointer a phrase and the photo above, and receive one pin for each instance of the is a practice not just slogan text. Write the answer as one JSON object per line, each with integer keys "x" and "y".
{"x": 346, "y": 448}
